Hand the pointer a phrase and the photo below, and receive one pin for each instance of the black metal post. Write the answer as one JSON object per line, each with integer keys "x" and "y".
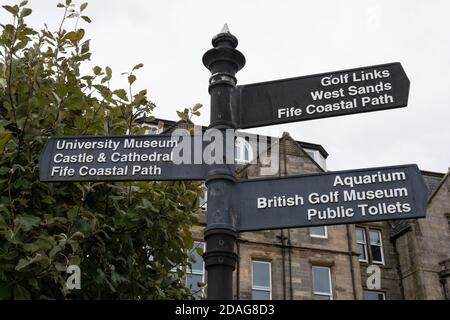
{"x": 220, "y": 233}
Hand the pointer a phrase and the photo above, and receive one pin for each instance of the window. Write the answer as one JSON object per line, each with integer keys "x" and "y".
{"x": 318, "y": 157}
{"x": 152, "y": 129}
{"x": 373, "y": 295}
{"x": 203, "y": 200}
{"x": 361, "y": 244}
{"x": 369, "y": 245}
{"x": 195, "y": 275}
{"x": 376, "y": 246}
{"x": 318, "y": 232}
{"x": 311, "y": 153}
{"x": 322, "y": 283}
{"x": 243, "y": 152}
{"x": 261, "y": 280}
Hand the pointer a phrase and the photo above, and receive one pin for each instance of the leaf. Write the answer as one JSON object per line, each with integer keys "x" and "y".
{"x": 25, "y": 12}
{"x": 5, "y": 136}
{"x": 182, "y": 115}
{"x": 72, "y": 36}
{"x": 197, "y": 106}
{"x": 83, "y": 6}
{"x": 54, "y": 251}
{"x": 20, "y": 293}
{"x": 72, "y": 213}
{"x": 60, "y": 5}
{"x": 121, "y": 93}
{"x": 131, "y": 78}
{"x": 75, "y": 260}
{"x": 14, "y": 10}
{"x": 108, "y": 72}
{"x": 34, "y": 283}
{"x": 85, "y": 47}
{"x": 80, "y": 34}
{"x": 22, "y": 264}
{"x": 138, "y": 66}
{"x": 60, "y": 266}
{"x": 77, "y": 235}
{"x": 39, "y": 244}
{"x": 86, "y": 18}
{"x": 20, "y": 45}
{"x": 23, "y": 3}
{"x": 26, "y": 222}
{"x": 5, "y": 292}
{"x": 68, "y": 2}
{"x": 97, "y": 70}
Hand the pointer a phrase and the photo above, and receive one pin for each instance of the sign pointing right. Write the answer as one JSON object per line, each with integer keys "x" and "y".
{"x": 340, "y": 197}
{"x": 323, "y": 95}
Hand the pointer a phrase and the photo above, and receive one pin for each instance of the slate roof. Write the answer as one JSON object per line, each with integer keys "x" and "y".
{"x": 432, "y": 180}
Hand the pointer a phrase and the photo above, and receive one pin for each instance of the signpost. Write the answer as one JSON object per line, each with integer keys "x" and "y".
{"x": 234, "y": 206}
{"x": 353, "y": 196}
{"x": 118, "y": 158}
{"x": 323, "y": 95}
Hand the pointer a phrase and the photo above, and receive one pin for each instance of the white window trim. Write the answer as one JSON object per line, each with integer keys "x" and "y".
{"x": 328, "y": 294}
{"x": 205, "y": 203}
{"x": 381, "y": 247}
{"x": 197, "y": 272}
{"x": 152, "y": 129}
{"x": 375, "y": 291}
{"x": 318, "y": 235}
{"x": 242, "y": 144}
{"x": 364, "y": 244}
{"x": 260, "y": 288}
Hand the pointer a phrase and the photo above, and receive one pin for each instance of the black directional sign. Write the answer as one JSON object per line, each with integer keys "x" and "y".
{"x": 323, "y": 95}
{"x": 341, "y": 197}
{"x": 121, "y": 158}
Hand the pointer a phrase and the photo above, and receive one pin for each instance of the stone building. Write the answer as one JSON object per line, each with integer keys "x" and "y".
{"x": 331, "y": 262}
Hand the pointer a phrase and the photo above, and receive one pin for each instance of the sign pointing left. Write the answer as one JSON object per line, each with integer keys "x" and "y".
{"x": 118, "y": 158}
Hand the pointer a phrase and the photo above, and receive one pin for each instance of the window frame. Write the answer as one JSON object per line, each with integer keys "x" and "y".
{"x": 243, "y": 145}
{"x": 374, "y": 291}
{"x": 259, "y": 288}
{"x": 152, "y": 129}
{"x": 317, "y": 235}
{"x": 203, "y": 206}
{"x": 364, "y": 244}
{"x": 314, "y": 292}
{"x": 381, "y": 246}
{"x": 190, "y": 271}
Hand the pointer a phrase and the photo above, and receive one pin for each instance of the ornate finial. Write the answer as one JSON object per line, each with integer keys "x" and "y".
{"x": 225, "y": 29}
{"x": 225, "y": 37}
{"x": 224, "y": 44}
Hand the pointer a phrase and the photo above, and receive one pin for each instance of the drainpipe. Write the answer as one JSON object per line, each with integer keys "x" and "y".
{"x": 444, "y": 288}
{"x": 350, "y": 256}
{"x": 238, "y": 269}
{"x": 281, "y": 237}
{"x": 290, "y": 264}
{"x": 399, "y": 271}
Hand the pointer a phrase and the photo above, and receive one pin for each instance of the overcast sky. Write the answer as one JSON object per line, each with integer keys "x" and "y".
{"x": 282, "y": 39}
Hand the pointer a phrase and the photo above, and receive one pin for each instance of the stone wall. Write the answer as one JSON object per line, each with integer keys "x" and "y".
{"x": 425, "y": 246}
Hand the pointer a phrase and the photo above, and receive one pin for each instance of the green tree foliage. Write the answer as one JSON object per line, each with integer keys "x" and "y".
{"x": 108, "y": 229}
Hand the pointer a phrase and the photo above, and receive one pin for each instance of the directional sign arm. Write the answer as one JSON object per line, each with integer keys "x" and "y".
{"x": 121, "y": 158}
{"x": 322, "y": 95}
{"x": 342, "y": 197}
